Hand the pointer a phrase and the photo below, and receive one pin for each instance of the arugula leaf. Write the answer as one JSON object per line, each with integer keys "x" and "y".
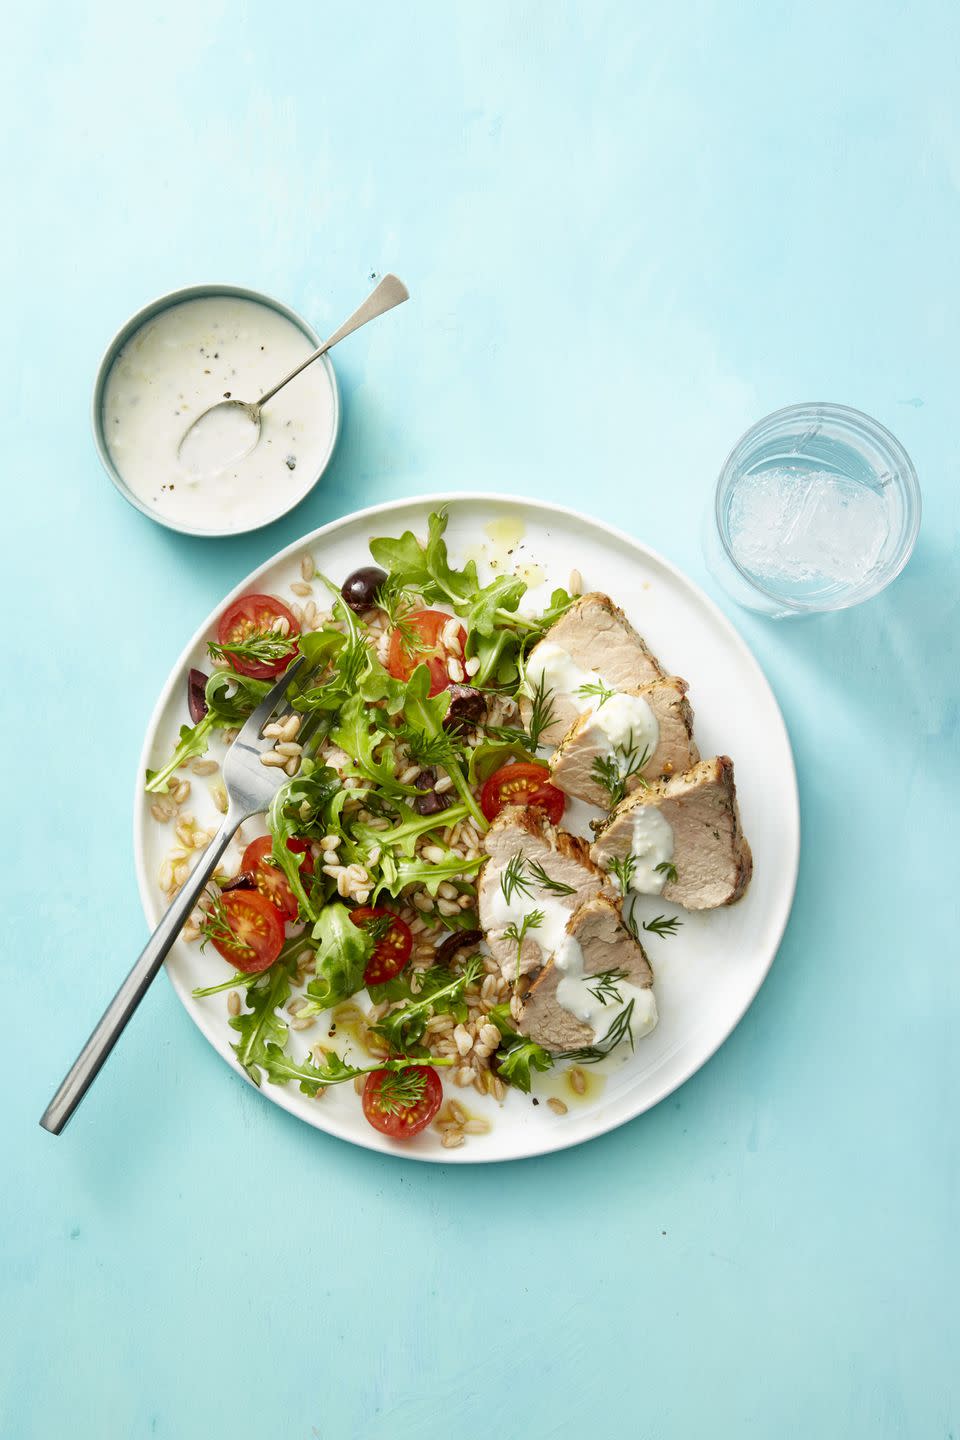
{"x": 358, "y": 734}
{"x": 403, "y": 1028}
{"x": 285, "y": 820}
{"x": 260, "y": 1025}
{"x": 396, "y": 875}
{"x": 230, "y": 699}
{"x": 402, "y": 838}
{"x": 343, "y": 950}
{"x": 521, "y": 1056}
{"x": 423, "y": 714}
{"x": 335, "y": 1070}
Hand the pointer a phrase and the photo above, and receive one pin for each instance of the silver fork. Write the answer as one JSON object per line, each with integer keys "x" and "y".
{"x": 250, "y": 788}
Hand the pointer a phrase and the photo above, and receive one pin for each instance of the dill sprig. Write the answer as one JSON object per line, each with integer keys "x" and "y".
{"x": 660, "y": 925}
{"x": 623, "y": 868}
{"x": 547, "y": 882}
{"x": 668, "y": 870}
{"x": 541, "y": 712}
{"x": 620, "y": 1029}
{"x": 400, "y": 1090}
{"x": 518, "y": 933}
{"x": 611, "y": 772}
{"x": 605, "y": 989}
{"x": 265, "y": 648}
{"x": 512, "y": 878}
{"x": 215, "y": 925}
{"x": 597, "y": 688}
{"x": 398, "y": 603}
{"x": 377, "y": 927}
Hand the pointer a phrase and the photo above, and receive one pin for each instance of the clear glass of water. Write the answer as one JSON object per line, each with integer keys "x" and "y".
{"x": 817, "y": 507}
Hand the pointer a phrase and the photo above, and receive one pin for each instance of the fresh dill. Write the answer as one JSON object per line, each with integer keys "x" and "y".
{"x": 512, "y": 878}
{"x": 598, "y": 688}
{"x": 518, "y": 933}
{"x": 215, "y": 925}
{"x": 378, "y": 927}
{"x": 429, "y": 750}
{"x": 401, "y": 1090}
{"x": 611, "y": 772}
{"x": 547, "y": 882}
{"x": 541, "y": 712}
{"x": 605, "y": 987}
{"x": 660, "y": 925}
{"x": 397, "y": 603}
{"x": 668, "y": 870}
{"x": 623, "y": 869}
{"x": 265, "y": 648}
{"x": 620, "y": 1029}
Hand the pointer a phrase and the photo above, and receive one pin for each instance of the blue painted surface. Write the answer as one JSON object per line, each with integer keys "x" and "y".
{"x": 630, "y": 230}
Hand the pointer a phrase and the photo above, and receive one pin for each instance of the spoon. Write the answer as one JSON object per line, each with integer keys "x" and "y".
{"x": 229, "y": 430}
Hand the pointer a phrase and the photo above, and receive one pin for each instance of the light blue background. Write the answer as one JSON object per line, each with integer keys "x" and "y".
{"x": 629, "y": 231}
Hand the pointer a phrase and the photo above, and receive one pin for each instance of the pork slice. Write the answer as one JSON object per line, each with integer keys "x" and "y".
{"x": 564, "y": 857}
{"x": 710, "y": 852}
{"x": 585, "y": 742}
{"x": 596, "y": 635}
{"x": 607, "y": 945}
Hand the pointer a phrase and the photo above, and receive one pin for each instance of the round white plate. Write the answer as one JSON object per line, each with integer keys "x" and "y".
{"x": 706, "y": 976}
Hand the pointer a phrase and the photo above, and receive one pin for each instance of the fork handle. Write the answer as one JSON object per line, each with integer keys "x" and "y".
{"x": 86, "y": 1067}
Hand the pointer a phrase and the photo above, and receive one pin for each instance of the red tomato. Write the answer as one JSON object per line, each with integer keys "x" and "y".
{"x": 254, "y": 931}
{"x": 522, "y": 784}
{"x": 270, "y": 881}
{"x": 417, "y": 642}
{"x": 392, "y": 950}
{"x": 401, "y": 1103}
{"x": 255, "y": 615}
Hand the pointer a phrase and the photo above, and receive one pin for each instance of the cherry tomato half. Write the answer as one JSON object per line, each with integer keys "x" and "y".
{"x": 247, "y": 617}
{"x": 392, "y": 949}
{"x": 254, "y": 932}
{"x": 522, "y": 784}
{"x": 272, "y": 882}
{"x": 416, "y": 641}
{"x": 401, "y": 1103}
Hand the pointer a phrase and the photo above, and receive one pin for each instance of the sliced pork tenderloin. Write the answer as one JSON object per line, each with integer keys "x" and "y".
{"x": 657, "y": 718}
{"x": 561, "y": 1011}
{"x": 565, "y": 859}
{"x": 594, "y": 641}
{"x": 690, "y": 822}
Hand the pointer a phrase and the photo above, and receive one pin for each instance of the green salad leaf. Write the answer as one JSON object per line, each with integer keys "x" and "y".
{"x": 260, "y": 1025}
{"x": 521, "y": 1056}
{"x": 404, "y": 1028}
{"x": 343, "y": 950}
{"x": 281, "y": 1069}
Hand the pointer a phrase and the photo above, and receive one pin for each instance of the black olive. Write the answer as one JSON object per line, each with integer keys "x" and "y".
{"x": 468, "y": 706}
{"x": 459, "y": 940}
{"x": 429, "y": 803}
{"x": 243, "y": 881}
{"x": 360, "y": 588}
{"x": 197, "y": 695}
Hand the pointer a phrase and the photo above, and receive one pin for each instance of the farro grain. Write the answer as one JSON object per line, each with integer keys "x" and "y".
{"x": 190, "y": 931}
{"x": 233, "y": 1002}
{"x": 423, "y": 902}
{"x": 472, "y": 665}
{"x": 307, "y": 567}
{"x": 311, "y": 618}
{"x": 358, "y": 1083}
{"x": 292, "y": 765}
{"x": 166, "y": 875}
{"x": 557, "y": 1105}
{"x": 465, "y": 1076}
{"x": 330, "y": 860}
{"x": 297, "y": 613}
{"x": 408, "y": 776}
{"x": 281, "y": 626}
{"x": 463, "y": 1039}
{"x": 578, "y": 1080}
{"x": 300, "y": 587}
{"x": 303, "y": 1024}
{"x": 288, "y": 748}
{"x": 465, "y": 902}
{"x": 455, "y": 670}
{"x": 290, "y": 728}
{"x": 219, "y": 796}
{"x": 433, "y": 854}
{"x": 443, "y": 785}
{"x": 452, "y": 1139}
{"x": 499, "y": 1089}
{"x": 457, "y": 1112}
{"x": 489, "y": 1035}
{"x": 159, "y": 813}
{"x": 448, "y": 907}
{"x": 447, "y": 891}
{"x": 476, "y": 1127}
{"x": 270, "y": 757}
{"x": 330, "y": 842}
{"x": 575, "y": 583}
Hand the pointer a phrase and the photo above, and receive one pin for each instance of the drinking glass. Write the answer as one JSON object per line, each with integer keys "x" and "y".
{"x": 817, "y": 507}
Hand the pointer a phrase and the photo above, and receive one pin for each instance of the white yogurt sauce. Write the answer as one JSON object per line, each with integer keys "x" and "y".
{"x": 548, "y": 935}
{"x": 652, "y": 845}
{"x": 623, "y": 727}
{"x": 186, "y": 359}
{"x": 551, "y": 666}
{"x": 576, "y": 997}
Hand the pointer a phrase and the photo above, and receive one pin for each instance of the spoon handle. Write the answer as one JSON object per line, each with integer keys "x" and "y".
{"x": 388, "y": 293}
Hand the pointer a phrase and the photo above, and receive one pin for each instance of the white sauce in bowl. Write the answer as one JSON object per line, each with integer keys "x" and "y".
{"x": 178, "y": 364}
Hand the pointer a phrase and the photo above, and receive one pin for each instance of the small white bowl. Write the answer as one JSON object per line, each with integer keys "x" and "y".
{"x": 164, "y": 302}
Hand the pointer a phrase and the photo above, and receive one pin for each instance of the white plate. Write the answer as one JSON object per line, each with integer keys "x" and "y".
{"x": 706, "y": 976}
